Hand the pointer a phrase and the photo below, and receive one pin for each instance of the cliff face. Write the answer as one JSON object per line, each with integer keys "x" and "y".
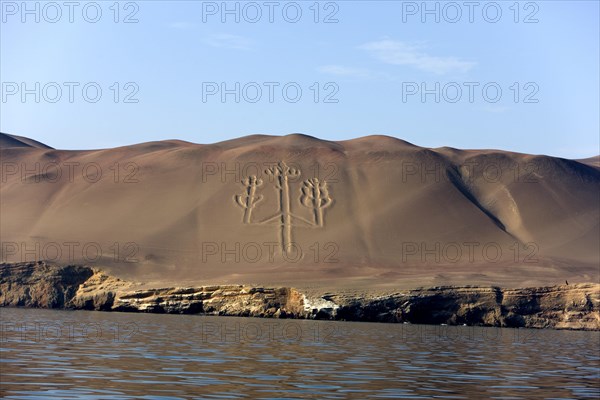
{"x": 40, "y": 285}
{"x": 571, "y": 307}
{"x": 77, "y": 287}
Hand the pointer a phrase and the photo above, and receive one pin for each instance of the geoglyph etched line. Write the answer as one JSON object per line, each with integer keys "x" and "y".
{"x": 249, "y": 200}
{"x": 314, "y": 195}
{"x": 281, "y": 173}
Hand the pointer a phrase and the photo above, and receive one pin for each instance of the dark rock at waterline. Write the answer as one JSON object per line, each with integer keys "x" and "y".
{"x": 42, "y": 285}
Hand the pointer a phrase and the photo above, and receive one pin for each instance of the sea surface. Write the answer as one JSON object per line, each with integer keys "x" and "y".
{"x": 47, "y": 354}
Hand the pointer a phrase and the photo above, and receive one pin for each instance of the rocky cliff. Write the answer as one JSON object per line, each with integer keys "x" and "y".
{"x": 79, "y": 287}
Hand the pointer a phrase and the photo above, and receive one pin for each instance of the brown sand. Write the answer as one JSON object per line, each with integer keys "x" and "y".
{"x": 392, "y": 215}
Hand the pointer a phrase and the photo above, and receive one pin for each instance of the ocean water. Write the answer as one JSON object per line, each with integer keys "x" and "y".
{"x": 47, "y": 354}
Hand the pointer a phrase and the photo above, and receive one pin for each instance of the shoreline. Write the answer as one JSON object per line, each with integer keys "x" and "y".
{"x": 43, "y": 285}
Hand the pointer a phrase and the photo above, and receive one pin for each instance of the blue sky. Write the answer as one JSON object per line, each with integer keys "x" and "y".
{"x": 362, "y": 69}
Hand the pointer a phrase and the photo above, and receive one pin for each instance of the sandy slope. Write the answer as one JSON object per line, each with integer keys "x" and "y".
{"x": 595, "y": 161}
{"x": 394, "y": 215}
{"x": 7, "y": 140}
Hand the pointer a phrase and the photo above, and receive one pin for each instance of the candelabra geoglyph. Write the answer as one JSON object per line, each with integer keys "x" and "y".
{"x": 314, "y": 195}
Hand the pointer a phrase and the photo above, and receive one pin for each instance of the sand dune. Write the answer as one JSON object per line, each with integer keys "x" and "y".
{"x": 594, "y": 161}
{"x": 382, "y": 213}
{"x": 7, "y": 140}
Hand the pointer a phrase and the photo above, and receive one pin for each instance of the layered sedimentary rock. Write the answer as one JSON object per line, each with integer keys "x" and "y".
{"x": 40, "y": 284}
{"x": 79, "y": 287}
{"x": 565, "y": 306}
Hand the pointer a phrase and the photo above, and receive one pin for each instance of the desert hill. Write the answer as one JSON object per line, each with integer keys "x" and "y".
{"x": 374, "y": 212}
{"x": 594, "y": 161}
{"x": 7, "y": 141}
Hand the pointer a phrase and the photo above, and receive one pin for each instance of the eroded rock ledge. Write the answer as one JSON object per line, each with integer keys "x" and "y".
{"x": 43, "y": 285}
